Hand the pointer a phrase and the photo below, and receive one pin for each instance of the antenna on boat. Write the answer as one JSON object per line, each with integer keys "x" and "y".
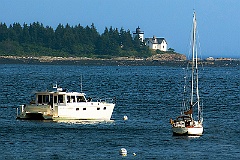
{"x": 81, "y": 84}
{"x": 55, "y": 85}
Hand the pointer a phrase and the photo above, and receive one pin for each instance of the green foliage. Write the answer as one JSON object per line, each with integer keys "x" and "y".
{"x": 10, "y": 48}
{"x": 171, "y": 50}
{"x": 79, "y": 41}
{"x": 160, "y": 52}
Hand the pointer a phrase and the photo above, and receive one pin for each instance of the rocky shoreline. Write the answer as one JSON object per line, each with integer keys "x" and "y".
{"x": 167, "y": 60}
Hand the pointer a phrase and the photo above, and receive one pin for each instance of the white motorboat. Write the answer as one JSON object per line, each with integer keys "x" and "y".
{"x": 185, "y": 123}
{"x": 60, "y": 104}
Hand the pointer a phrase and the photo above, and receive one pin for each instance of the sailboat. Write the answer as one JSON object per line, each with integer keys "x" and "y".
{"x": 186, "y": 123}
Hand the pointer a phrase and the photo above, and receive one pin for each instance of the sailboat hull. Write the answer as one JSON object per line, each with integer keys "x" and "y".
{"x": 195, "y": 131}
{"x": 191, "y": 131}
{"x": 180, "y": 131}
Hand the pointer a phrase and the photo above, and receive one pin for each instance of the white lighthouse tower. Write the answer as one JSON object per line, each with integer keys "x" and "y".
{"x": 138, "y": 33}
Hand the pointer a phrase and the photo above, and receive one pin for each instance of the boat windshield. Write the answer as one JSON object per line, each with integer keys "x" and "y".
{"x": 43, "y": 98}
{"x": 184, "y": 118}
{"x": 46, "y": 99}
{"x": 72, "y": 99}
{"x": 81, "y": 99}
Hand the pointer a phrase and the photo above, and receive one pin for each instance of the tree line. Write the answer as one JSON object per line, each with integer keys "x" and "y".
{"x": 37, "y": 40}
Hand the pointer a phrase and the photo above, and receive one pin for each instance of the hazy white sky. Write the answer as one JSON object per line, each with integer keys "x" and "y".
{"x": 218, "y": 20}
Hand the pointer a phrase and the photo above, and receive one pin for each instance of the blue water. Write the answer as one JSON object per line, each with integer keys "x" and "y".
{"x": 149, "y": 96}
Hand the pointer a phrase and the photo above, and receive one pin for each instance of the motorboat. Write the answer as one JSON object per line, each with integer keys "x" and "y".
{"x": 60, "y": 104}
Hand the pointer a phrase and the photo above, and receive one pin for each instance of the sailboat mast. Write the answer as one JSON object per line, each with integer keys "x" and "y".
{"x": 193, "y": 56}
{"x": 196, "y": 69}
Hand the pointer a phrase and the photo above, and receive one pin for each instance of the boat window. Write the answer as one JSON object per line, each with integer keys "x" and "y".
{"x": 180, "y": 118}
{"x": 39, "y": 98}
{"x": 84, "y": 109}
{"x": 60, "y": 98}
{"x": 72, "y": 99}
{"x": 98, "y": 108}
{"x": 45, "y": 98}
{"x": 81, "y": 99}
{"x": 77, "y": 109}
{"x": 55, "y": 99}
{"x": 68, "y": 99}
{"x": 104, "y": 108}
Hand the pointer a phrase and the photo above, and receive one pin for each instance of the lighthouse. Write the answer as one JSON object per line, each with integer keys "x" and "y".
{"x": 138, "y": 33}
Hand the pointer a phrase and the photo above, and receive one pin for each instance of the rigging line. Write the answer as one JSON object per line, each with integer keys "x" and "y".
{"x": 184, "y": 106}
{"x": 190, "y": 45}
{"x": 189, "y": 55}
{"x": 199, "y": 49}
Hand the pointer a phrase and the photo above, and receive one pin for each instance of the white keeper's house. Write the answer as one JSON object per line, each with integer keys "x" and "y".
{"x": 156, "y": 43}
{"x": 153, "y": 43}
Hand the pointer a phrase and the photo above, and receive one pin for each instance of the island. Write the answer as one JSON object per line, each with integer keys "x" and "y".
{"x": 78, "y": 45}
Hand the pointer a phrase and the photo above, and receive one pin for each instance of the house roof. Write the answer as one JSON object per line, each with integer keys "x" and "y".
{"x": 155, "y": 40}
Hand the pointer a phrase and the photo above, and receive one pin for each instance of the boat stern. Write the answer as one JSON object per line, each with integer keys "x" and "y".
{"x": 34, "y": 112}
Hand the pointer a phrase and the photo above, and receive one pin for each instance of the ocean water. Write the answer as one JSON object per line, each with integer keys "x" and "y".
{"x": 148, "y": 95}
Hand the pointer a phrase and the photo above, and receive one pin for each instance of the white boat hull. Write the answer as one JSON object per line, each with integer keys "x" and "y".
{"x": 193, "y": 131}
{"x": 77, "y": 111}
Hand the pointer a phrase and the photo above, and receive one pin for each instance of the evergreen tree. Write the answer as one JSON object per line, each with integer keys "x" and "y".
{"x": 25, "y": 38}
{"x": 36, "y": 40}
{"x": 12, "y": 35}
{"x": 3, "y": 32}
{"x": 58, "y": 40}
{"x": 49, "y": 37}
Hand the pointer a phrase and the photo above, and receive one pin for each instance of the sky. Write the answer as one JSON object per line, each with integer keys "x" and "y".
{"x": 218, "y": 20}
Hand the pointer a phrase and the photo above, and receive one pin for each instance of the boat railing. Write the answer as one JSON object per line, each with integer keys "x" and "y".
{"x": 103, "y": 100}
{"x": 20, "y": 109}
{"x": 107, "y": 100}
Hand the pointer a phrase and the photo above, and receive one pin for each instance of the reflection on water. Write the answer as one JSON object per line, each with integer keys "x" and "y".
{"x": 83, "y": 121}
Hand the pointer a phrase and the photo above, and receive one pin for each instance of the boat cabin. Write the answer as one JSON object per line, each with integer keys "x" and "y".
{"x": 188, "y": 121}
{"x": 51, "y": 98}
{"x": 184, "y": 118}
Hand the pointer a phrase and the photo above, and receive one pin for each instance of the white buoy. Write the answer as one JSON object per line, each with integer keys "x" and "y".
{"x": 134, "y": 154}
{"x": 125, "y": 118}
{"x": 123, "y": 152}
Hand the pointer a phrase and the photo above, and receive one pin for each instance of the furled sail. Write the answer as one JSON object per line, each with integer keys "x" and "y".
{"x": 190, "y": 111}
